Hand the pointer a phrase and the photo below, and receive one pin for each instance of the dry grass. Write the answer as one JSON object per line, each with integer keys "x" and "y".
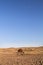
{"x": 31, "y": 56}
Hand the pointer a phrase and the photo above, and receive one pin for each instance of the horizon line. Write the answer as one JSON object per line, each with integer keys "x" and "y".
{"x": 22, "y": 47}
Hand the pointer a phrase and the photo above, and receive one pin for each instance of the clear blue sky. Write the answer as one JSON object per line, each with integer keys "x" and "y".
{"x": 21, "y": 23}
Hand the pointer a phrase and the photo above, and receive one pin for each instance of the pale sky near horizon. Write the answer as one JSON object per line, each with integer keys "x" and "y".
{"x": 21, "y": 23}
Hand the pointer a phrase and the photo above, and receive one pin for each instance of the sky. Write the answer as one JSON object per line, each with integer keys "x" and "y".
{"x": 21, "y": 23}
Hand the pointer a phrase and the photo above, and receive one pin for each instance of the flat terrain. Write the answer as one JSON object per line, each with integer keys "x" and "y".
{"x": 28, "y": 56}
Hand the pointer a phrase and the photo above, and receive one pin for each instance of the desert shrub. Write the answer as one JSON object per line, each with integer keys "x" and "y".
{"x": 20, "y": 52}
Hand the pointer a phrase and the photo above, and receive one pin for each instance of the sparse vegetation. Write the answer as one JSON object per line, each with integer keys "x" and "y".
{"x": 10, "y": 57}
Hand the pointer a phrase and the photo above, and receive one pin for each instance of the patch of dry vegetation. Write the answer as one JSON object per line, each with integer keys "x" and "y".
{"x": 31, "y": 56}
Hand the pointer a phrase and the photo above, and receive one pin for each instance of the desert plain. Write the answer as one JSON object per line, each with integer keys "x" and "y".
{"x": 21, "y": 56}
